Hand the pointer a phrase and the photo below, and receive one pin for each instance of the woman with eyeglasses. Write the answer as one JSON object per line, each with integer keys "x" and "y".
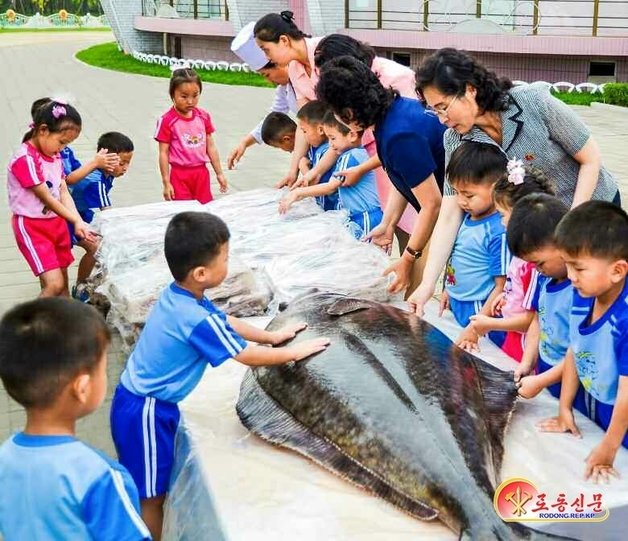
{"x": 526, "y": 122}
{"x": 409, "y": 145}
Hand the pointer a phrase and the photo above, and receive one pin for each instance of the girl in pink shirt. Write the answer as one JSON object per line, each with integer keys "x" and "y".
{"x": 39, "y": 198}
{"x": 511, "y": 311}
{"x": 186, "y": 144}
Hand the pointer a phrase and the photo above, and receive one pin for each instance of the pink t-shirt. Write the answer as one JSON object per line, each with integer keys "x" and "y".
{"x": 517, "y": 284}
{"x": 187, "y": 137}
{"x": 28, "y": 168}
{"x": 303, "y": 83}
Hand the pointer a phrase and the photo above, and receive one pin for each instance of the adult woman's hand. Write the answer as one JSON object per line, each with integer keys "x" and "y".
{"x": 420, "y": 297}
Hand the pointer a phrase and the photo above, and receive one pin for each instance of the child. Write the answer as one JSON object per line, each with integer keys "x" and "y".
{"x": 531, "y": 237}
{"x": 278, "y": 130}
{"x": 184, "y": 332}
{"x": 476, "y": 271}
{"x": 186, "y": 144}
{"x": 93, "y": 193}
{"x": 72, "y": 167}
{"x": 53, "y": 361}
{"x": 593, "y": 241}
{"x": 311, "y": 118}
{"x": 361, "y": 200}
{"x": 515, "y": 317}
{"x": 39, "y": 198}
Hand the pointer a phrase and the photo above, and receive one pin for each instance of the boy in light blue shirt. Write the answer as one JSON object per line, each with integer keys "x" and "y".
{"x": 593, "y": 240}
{"x": 183, "y": 334}
{"x": 53, "y": 361}
{"x": 361, "y": 200}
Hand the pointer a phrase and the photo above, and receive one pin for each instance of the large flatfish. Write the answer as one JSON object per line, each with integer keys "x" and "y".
{"x": 393, "y": 407}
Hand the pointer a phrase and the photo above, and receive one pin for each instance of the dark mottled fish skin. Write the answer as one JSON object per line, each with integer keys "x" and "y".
{"x": 393, "y": 407}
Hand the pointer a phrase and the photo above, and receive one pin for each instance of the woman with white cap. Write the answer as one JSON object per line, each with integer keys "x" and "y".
{"x": 244, "y": 46}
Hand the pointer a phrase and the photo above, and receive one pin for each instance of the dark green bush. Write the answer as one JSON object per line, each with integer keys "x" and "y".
{"x": 616, "y": 94}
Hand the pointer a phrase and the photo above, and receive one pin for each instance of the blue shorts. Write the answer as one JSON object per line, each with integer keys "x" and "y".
{"x": 143, "y": 430}
{"x": 601, "y": 413}
{"x": 328, "y": 202}
{"x": 463, "y": 310}
{"x": 579, "y": 402}
{"x": 362, "y": 223}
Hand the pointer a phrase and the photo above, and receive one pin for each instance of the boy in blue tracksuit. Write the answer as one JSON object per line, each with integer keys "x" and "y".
{"x": 53, "y": 361}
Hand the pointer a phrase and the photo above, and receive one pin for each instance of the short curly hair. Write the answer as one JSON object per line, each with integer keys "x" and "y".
{"x": 450, "y": 71}
{"x": 353, "y": 91}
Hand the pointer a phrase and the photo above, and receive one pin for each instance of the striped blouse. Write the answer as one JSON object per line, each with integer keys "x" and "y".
{"x": 543, "y": 132}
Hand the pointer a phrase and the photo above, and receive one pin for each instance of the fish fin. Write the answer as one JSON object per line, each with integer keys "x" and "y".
{"x": 348, "y": 305}
{"x": 500, "y": 396}
{"x": 263, "y": 416}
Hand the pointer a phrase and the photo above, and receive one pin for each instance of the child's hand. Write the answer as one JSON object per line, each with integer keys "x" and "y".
{"x": 235, "y": 155}
{"x": 303, "y": 350}
{"x": 481, "y": 323}
{"x": 286, "y": 202}
{"x": 83, "y": 232}
{"x": 106, "y": 160}
{"x": 599, "y": 463}
{"x": 381, "y": 236}
{"x": 522, "y": 370}
{"x": 443, "y": 303}
{"x": 498, "y": 304}
{"x": 222, "y": 182}
{"x": 468, "y": 340}
{"x": 168, "y": 192}
{"x": 529, "y": 386}
{"x": 286, "y": 333}
{"x": 565, "y": 422}
{"x": 288, "y": 180}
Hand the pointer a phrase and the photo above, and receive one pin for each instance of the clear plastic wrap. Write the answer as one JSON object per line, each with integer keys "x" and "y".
{"x": 273, "y": 257}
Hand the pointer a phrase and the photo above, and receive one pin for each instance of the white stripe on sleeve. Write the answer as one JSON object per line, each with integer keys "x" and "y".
{"x": 223, "y": 340}
{"x": 32, "y": 169}
{"x": 226, "y": 332}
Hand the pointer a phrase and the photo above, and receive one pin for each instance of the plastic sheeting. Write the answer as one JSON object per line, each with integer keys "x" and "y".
{"x": 273, "y": 257}
{"x": 229, "y": 484}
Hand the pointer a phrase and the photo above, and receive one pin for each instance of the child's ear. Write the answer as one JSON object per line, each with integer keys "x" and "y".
{"x": 321, "y": 129}
{"x": 81, "y": 386}
{"x": 354, "y": 136}
{"x": 619, "y": 270}
{"x": 199, "y": 274}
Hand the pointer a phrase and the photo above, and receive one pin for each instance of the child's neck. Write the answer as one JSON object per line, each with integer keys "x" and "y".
{"x": 35, "y": 143}
{"x": 484, "y": 214}
{"x": 49, "y": 422}
{"x": 604, "y": 301}
{"x": 185, "y": 114}
{"x": 197, "y": 290}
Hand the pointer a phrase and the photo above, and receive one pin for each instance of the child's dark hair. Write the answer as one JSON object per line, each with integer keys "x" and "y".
{"x": 331, "y": 121}
{"x": 313, "y": 112}
{"x": 275, "y": 126}
{"x": 476, "y": 163}
{"x": 533, "y": 222}
{"x": 181, "y": 76}
{"x": 274, "y": 25}
{"x": 506, "y": 193}
{"x": 115, "y": 142}
{"x": 336, "y": 45}
{"x": 56, "y": 116}
{"x": 44, "y": 344}
{"x": 193, "y": 239}
{"x": 595, "y": 228}
{"x": 38, "y": 104}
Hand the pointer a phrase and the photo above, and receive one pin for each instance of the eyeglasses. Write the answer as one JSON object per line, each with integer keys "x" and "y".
{"x": 441, "y": 112}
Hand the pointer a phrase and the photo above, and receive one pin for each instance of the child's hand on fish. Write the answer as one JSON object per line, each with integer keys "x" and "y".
{"x": 481, "y": 324}
{"x": 287, "y": 201}
{"x": 529, "y": 386}
{"x": 286, "y": 333}
{"x": 565, "y": 422}
{"x": 468, "y": 339}
{"x": 599, "y": 463}
{"x": 302, "y": 350}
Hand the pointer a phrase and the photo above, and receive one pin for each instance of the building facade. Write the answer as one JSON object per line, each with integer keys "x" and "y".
{"x": 560, "y": 40}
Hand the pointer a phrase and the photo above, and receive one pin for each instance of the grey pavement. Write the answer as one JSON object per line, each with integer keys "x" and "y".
{"x": 36, "y": 65}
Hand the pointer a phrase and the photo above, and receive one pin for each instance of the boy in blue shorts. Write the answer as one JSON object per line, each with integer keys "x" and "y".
{"x": 360, "y": 200}
{"x": 183, "y": 334}
{"x": 531, "y": 237}
{"x": 593, "y": 240}
{"x": 92, "y": 192}
{"x": 53, "y": 361}
{"x": 278, "y": 130}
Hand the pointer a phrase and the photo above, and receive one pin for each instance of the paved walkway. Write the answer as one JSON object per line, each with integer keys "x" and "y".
{"x": 36, "y": 65}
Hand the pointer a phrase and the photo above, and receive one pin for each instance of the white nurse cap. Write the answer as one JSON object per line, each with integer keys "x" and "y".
{"x": 245, "y": 47}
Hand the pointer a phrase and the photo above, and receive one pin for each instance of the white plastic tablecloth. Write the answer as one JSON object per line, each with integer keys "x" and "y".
{"x": 232, "y": 485}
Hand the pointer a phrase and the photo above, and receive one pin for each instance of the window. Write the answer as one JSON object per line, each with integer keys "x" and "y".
{"x": 602, "y": 69}
{"x": 404, "y": 58}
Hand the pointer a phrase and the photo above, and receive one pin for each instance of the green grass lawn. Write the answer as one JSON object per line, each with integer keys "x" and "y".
{"x": 60, "y": 29}
{"x": 579, "y": 98}
{"x": 108, "y": 56}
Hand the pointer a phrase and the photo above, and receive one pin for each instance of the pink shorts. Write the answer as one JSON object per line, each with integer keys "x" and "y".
{"x": 44, "y": 242}
{"x": 191, "y": 183}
